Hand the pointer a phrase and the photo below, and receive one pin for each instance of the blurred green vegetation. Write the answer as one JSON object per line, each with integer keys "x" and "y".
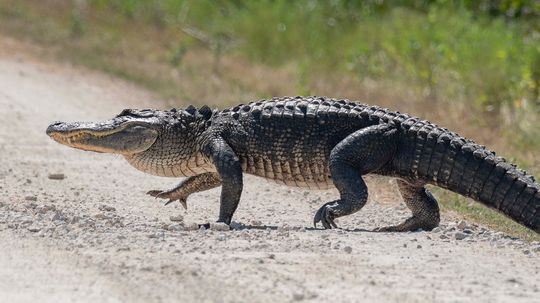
{"x": 479, "y": 59}
{"x": 485, "y": 51}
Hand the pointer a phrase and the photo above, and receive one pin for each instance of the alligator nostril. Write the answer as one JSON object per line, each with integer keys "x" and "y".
{"x": 53, "y": 127}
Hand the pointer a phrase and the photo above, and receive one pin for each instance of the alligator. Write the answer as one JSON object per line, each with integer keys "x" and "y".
{"x": 310, "y": 142}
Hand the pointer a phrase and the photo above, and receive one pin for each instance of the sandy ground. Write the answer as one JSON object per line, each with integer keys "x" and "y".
{"x": 94, "y": 236}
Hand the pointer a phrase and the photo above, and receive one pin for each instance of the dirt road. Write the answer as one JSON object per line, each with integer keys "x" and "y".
{"x": 94, "y": 236}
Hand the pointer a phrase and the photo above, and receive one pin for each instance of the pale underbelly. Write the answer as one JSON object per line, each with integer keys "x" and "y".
{"x": 312, "y": 175}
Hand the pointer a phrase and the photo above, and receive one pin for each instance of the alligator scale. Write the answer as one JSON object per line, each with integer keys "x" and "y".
{"x": 312, "y": 142}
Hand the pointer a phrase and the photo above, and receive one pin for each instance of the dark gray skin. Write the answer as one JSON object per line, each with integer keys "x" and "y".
{"x": 311, "y": 142}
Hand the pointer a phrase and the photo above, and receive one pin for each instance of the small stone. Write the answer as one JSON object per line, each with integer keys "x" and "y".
{"x": 256, "y": 223}
{"x": 526, "y": 252}
{"x": 104, "y": 207}
{"x": 26, "y": 220}
{"x": 176, "y": 227}
{"x": 192, "y": 226}
{"x": 155, "y": 235}
{"x": 219, "y": 226}
{"x": 57, "y": 176}
{"x": 177, "y": 218}
{"x": 298, "y": 296}
{"x": 283, "y": 228}
{"x": 100, "y": 216}
{"x": 87, "y": 222}
{"x": 462, "y": 225}
{"x": 30, "y": 198}
{"x": 347, "y": 249}
{"x": 468, "y": 231}
{"x": 436, "y": 230}
{"x": 236, "y": 226}
{"x": 512, "y": 280}
{"x": 536, "y": 248}
{"x": 33, "y": 228}
{"x": 460, "y": 236}
{"x": 41, "y": 209}
{"x": 58, "y": 216}
{"x": 443, "y": 236}
{"x": 221, "y": 237}
{"x": 449, "y": 229}
{"x": 30, "y": 205}
{"x": 418, "y": 246}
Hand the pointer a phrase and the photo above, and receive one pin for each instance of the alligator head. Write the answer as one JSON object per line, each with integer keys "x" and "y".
{"x": 134, "y": 132}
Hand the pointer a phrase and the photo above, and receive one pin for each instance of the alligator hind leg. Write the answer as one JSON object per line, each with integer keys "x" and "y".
{"x": 360, "y": 153}
{"x": 424, "y": 208}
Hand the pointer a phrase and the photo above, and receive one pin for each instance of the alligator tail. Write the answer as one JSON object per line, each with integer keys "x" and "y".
{"x": 445, "y": 159}
{"x": 475, "y": 172}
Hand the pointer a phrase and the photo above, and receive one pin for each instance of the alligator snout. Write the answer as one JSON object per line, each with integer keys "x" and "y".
{"x": 55, "y": 127}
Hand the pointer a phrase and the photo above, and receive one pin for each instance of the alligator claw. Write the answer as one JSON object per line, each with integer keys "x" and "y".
{"x": 325, "y": 216}
{"x": 154, "y": 193}
{"x": 182, "y": 201}
{"x": 167, "y": 195}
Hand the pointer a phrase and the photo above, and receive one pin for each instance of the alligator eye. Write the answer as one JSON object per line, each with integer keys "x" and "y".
{"x": 125, "y": 112}
{"x": 136, "y": 113}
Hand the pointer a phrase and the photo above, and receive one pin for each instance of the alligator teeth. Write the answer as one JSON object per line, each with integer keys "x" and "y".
{"x": 70, "y": 138}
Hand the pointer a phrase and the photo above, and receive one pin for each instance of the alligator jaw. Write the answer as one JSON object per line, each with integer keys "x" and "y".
{"x": 113, "y": 136}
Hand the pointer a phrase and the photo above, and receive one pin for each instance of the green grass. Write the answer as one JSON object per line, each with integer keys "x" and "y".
{"x": 476, "y": 212}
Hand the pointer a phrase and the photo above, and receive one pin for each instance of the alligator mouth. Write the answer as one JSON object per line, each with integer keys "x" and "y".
{"x": 62, "y": 133}
{"x": 125, "y": 138}
{"x": 74, "y": 138}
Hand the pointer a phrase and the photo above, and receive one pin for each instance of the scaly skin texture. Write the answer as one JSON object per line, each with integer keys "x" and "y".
{"x": 316, "y": 143}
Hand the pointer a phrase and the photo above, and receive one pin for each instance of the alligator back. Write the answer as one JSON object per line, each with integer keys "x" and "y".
{"x": 289, "y": 139}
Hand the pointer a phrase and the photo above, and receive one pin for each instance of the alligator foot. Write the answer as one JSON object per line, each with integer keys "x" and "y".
{"x": 411, "y": 224}
{"x": 169, "y": 194}
{"x": 325, "y": 216}
{"x": 424, "y": 208}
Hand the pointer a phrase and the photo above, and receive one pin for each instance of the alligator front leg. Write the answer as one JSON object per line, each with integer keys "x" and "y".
{"x": 230, "y": 171}
{"x": 187, "y": 187}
